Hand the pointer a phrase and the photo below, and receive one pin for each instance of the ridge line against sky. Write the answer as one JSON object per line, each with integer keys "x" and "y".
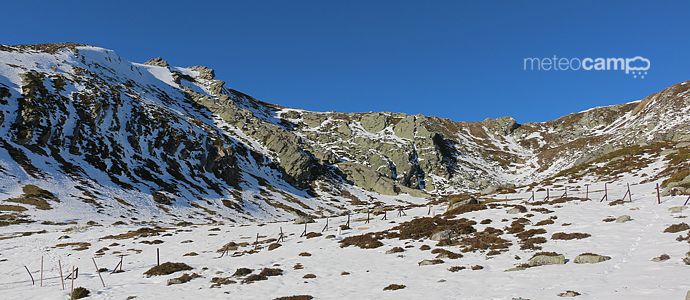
{"x": 458, "y": 60}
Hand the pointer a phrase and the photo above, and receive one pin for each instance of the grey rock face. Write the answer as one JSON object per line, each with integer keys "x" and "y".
{"x": 623, "y": 219}
{"x": 590, "y": 258}
{"x": 660, "y": 258}
{"x": 429, "y": 262}
{"x": 441, "y": 235}
{"x": 303, "y": 220}
{"x": 157, "y": 61}
{"x": 541, "y": 260}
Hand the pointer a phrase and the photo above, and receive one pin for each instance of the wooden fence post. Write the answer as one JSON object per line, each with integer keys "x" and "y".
{"x": 547, "y": 195}
{"x": 368, "y": 211}
{"x": 305, "y": 230}
{"x": 326, "y": 226}
{"x": 62, "y": 280}
{"x": 606, "y": 193}
{"x": 385, "y": 215}
{"x": 658, "y": 194}
{"x": 98, "y": 271}
{"x": 119, "y": 264}
{"x": 686, "y": 201}
{"x": 158, "y": 257}
{"x": 32, "y": 276}
{"x": 348, "y": 221}
{"x": 41, "y": 280}
{"x": 71, "y": 293}
{"x": 531, "y": 198}
{"x": 629, "y": 193}
{"x": 587, "y": 191}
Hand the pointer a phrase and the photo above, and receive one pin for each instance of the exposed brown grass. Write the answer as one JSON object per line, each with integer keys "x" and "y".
{"x": 76, "y": 246}
{"x": 311, "y": 235}
{"x": 167, "y": 268}
{"x": 364, "y": 241}
{"x": 141, "y": 232}
{"x": 242, "y": 272}
{"x": 569, "y": 236}
{"x": 79, "y": 292}
{"x": 268, "y": 272}
{"x": 456, "y": 268}
{"x": 425, "y": 227}
{"x": 16, "y": 208}
{"x": 677, "y": 228}
{"x": 295, "y": 297}
{"x": 393, "y": 287}
{"x": 544, "y": 222}
{"x": 443, "y": 253}
{"x": 488, "y": 239}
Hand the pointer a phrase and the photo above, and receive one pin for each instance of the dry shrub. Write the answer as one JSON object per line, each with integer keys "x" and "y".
{"x": 395, "y": 250}
{"x": 530, "y": 233}
{"x": 309, "y": 276}
{"x": 427, "y": 226}
{"x": 485, "y": 221}
{"x": 76, "y": 246}
{"x": 617, "y": 202}
{"x": 477, "y": 267}
{"x": 544, "y": 222}
{"x": 80, "y": 292}
{"x": 242, "y": 272}
{"x": 183, "y": 279}
{"x": 425, "y": 247}
{"x": 517, "y": 226}
{"x": 609, "y": 219}
{"x": 167, "y": 268}
{"x": 364, "y": 241}
{"x": 393, "y": 287}
{"x": 274, "y": 246}
{"x": 141, "y": 232}
{"x": 296, "y": 297}
{"x": 558, "y": 201}
{"x": 456, "y": 268}
{"x": 305, "y": 254}
{"x": 268, "y": 272}
{"x": 311, "y": 235}
{"x": 484, "y": 240}
{"x": 677, "y": 228}
{"x": 569, "y": 236}
{"x": 443, "y": 253}
{"x": 218, "y": 281}
{"x": 532, "y": 243}
{"x": 254, "y": 277}
{"x": 542, "y": 210}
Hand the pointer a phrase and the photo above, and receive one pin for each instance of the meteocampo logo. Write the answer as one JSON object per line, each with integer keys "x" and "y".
{"x": 637, "y": 66}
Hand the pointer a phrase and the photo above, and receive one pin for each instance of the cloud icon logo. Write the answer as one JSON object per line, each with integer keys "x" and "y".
{"x": 638, "y": 66}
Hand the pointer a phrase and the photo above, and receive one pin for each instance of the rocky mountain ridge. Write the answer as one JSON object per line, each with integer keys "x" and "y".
{"x": 107, "y": 135}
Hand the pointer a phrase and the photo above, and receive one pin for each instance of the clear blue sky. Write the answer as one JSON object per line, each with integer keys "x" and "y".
{"x": 455, "y": 59}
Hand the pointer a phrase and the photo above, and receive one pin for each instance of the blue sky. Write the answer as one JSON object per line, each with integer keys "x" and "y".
{"x": 457, "y": 59}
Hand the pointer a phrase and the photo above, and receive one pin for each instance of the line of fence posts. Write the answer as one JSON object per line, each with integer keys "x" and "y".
{"x": 72, "y": 276}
